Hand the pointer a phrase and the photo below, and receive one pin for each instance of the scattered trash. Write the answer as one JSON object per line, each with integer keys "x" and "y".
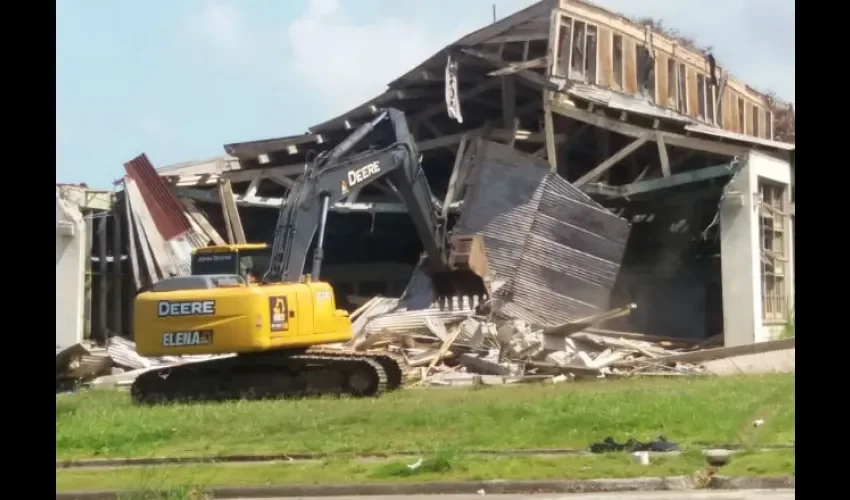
{"x": 415, "y": 465}
{"x": 661, "y": 445}
{"x": 758, "y": 423}
{"x": 641, "y": 457}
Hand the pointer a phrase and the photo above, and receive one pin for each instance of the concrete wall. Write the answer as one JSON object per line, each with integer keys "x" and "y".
{"x": 740, "y": 249}
{"x": 70, "y": 273}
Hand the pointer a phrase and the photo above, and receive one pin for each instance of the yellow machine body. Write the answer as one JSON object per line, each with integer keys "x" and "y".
{"x": 238, "y": 319}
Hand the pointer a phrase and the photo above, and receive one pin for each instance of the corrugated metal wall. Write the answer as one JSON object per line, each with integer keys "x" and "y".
{"x": 558, "y": 251}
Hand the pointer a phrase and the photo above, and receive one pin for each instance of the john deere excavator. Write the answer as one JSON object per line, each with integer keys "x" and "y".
{"x": 276, "y": 320}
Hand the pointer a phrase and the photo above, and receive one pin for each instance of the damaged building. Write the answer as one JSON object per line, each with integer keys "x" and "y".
{"x": 604, "y": 161}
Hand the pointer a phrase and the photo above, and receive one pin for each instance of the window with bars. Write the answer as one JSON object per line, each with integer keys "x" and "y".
{"x": 773, "y": 224}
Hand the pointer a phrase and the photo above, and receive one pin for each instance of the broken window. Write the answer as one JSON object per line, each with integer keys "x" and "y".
{"x": 683, "y": 89}
{"x": 773, "y": 222}
{"x": 645, "y": 72}
{"x": 617, "y": 58}
{"x": 590, "y": 58}
{"x": 741, "y": 116}
{"x": 756, "y": 113}
{"x": 565, "y": 43}
{"x": 671, "y": 83}
{"x": 701, "y": 96}
{"x": 579, "y": 51}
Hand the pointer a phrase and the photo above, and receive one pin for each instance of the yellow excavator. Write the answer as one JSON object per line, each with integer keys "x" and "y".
{"x": 254, "y": 301}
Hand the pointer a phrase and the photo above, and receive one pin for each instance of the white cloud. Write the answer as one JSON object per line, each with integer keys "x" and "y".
{"x": 349, "y": 62}
{"x": 221, "y": 27}
{"x": 343, "y": 62}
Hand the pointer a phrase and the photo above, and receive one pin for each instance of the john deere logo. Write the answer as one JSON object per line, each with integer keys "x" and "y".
{"x": 343, "y": 187}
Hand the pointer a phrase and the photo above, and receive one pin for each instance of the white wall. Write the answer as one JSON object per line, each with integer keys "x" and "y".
{"x": 70, "y": 273}
{"x": 740, "y": 250}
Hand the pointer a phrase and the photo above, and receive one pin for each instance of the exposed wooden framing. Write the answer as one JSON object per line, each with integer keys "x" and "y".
{"x": 513, "y": 68}
{"x": 674, "y": 180}
{"x": 255, "y": 149}
{"x": 272, "y": 202}
{"x": 497, "y": 134}
{"x": 662, "y": 155}
{"x": 535, "y": 79}
{"x": 450, "y": 192}
{"x": 253, "y": 186}
{"x": 435, "y": 108}
{"x": 525, "y": 47}
{"x": 483, "y": 35}
{"x": 516, "y": 38}
{"x": 202, "y": 221}
{"x": 372, "y": 107}
{"x": 431, "y": 127}
{"x": 627, "y": 129}
{"x": 235, "y": 231}
{"x": 549, "y": 131}
{"x": 613, "y": 160}
{"x": 280, "y": 179}
{"x": 131, "y": 241}
{"x": 116, "y": 269}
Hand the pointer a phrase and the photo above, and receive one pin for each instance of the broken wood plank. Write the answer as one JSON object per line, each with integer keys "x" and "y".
{"x": 613, "y": 160}
{"x": 663, "y": 156}
{"x": 513, "y": 68}
{"x": 725, "y": 352}
{"x": 231, "y": 212}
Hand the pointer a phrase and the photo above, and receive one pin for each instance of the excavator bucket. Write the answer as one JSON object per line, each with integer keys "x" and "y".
{"x": 469, "y": 274}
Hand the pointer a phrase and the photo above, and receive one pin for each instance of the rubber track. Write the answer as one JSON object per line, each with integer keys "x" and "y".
{"x": 198, "y": 393}
{"x": 392, "y": 363}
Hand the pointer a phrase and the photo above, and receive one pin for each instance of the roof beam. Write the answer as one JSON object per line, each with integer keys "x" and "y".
{"x": 613, "y": 160}
{"x": 264, "y": 202}
{"x": 370, "y": 108}
{"x": 563, "y": 106}
{"x": 503, "y": 135}
{"x": 675, "y": 180}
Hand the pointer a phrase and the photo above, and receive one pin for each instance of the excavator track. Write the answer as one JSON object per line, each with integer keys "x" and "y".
{"x": 392, "y": 363}
{"x": 265, "y": 375}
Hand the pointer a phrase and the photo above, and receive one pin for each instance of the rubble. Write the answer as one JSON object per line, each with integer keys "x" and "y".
{"x": 116, "y": 365}
{"x": 462, "y": 346}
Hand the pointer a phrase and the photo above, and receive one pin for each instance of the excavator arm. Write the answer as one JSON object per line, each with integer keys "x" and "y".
{"x": 334, "y": 175}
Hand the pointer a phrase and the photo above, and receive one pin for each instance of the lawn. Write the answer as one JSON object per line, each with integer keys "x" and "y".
{"x": 445, "y": 465}
{"x": 691, "y": 411}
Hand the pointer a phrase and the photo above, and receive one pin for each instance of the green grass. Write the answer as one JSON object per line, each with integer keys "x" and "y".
{"x": 690, "y": 411}
{"x": 443, "y": 465}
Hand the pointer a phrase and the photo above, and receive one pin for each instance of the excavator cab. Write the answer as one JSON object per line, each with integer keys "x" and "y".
{"x": 244, "y": 259}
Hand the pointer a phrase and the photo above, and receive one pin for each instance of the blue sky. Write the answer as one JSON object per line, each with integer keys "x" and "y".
{"x": 179, "y": 79}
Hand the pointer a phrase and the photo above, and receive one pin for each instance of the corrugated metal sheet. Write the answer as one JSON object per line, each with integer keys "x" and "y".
{"x": 558, "y": 250}
{"x": 166, "y": 211}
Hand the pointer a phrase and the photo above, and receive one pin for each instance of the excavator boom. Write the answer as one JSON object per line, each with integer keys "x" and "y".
{"x": 274, "y": 327}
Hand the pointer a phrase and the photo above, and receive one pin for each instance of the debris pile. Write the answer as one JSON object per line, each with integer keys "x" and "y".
{"x": 116, "y": 365}
{"x": 456, "y": 344}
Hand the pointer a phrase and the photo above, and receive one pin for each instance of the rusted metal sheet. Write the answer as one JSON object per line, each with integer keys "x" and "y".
{"x": 693, "y": 93}
{"x": 606, "y": 67}
{"x": 662, "y": 85}
{"x": 165, "y": 210}
{"x": 557, "y": 251}
{"x": 629, "y": 66}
